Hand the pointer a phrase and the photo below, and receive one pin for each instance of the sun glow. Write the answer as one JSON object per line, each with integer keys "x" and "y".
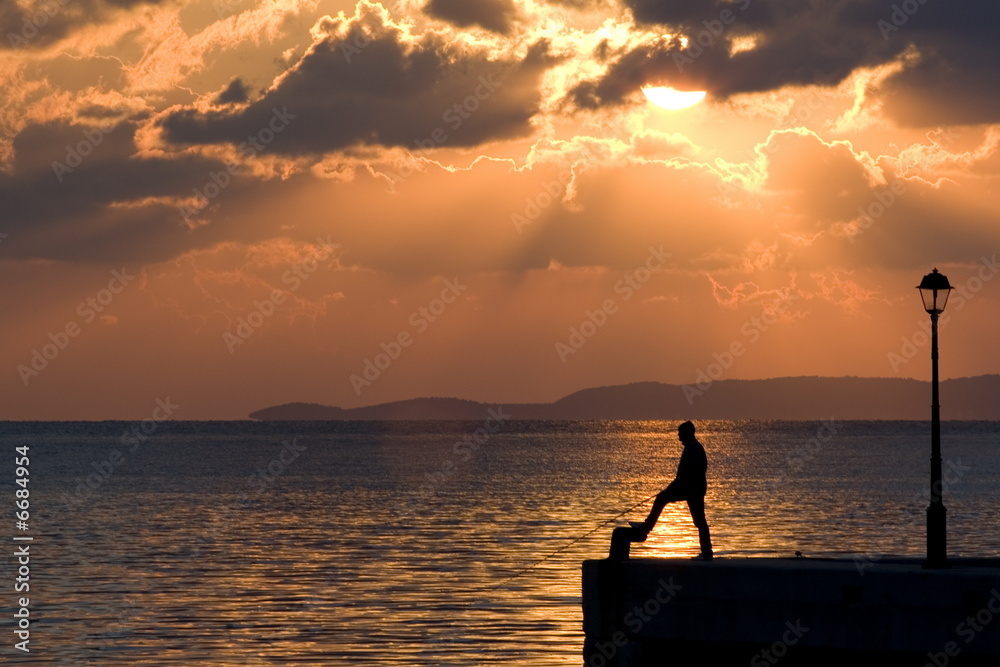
{"x": 671, "y": 98}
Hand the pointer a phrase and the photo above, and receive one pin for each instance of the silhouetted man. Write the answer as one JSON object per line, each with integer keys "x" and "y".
{"x": 690, "y": 484}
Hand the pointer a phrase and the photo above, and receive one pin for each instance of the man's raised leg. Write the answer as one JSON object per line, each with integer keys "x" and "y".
{"x": 665, "y": 496}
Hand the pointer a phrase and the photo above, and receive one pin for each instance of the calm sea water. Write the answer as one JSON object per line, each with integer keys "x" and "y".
{"x": 410, "y": 543}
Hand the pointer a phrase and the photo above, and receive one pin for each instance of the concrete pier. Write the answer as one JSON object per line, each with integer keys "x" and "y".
{"x": 852, "y": 612}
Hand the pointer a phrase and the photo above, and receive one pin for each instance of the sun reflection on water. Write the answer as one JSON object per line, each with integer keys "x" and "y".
{"x": 343, "y": 561}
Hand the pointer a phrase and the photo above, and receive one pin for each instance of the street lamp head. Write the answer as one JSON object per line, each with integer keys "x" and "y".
{"x": 934, "y": 290}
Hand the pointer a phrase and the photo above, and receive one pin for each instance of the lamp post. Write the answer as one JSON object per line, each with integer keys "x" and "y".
{"x": 934, "y": 290}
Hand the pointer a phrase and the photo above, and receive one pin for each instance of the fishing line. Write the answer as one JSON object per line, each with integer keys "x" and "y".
{"x": 568, "y": 545}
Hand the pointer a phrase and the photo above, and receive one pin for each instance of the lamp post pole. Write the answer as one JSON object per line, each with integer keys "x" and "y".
{"x": 937, "y": 535}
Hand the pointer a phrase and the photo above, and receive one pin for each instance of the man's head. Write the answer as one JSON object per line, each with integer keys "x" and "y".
{"x": 685, "y": 432}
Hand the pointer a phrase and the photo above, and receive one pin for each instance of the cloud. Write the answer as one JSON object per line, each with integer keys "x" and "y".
{"x": 367, "y": 81}
{"x": 761, "y": 45}
{"x": 235, "y": 93}
{"x": 495, "y": 15}
{"x": 35, "y": 24}
{"x": 820, "y": 181}
{"x": 835, "y": 206}
{"x": 81, "y": 193}
{"x": 948, "y": 84}
{"x": 219, "y": 283}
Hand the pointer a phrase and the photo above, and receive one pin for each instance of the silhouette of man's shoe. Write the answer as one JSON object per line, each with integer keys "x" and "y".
{"x": 639, "y": 526}
{"x": 703, "y": 557}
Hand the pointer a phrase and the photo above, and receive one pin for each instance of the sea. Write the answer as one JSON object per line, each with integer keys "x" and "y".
{"x": 423, "y": 543}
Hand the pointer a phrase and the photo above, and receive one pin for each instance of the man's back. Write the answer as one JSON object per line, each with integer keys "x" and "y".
{"x": 692, "y": 469}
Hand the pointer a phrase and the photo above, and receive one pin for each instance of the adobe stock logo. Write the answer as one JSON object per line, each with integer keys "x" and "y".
{"x": 635, "y": 620}
{"x": 901, "y": 13}
{"x": 92, "y": 138}
{"x": 220, "y": 180}
{"x": 989, "y": 268}
{"x": 88, "y": 309}
{"x": 753, "y": 329}
{"x": 247, "y": 325}
{"x": 265, "y": 476}
{"x": 32, "y": 23}
{"x": 881, "y": 202}
{"x": 420, "y": 320}
{"x": 627, "y": 286}
{"x": 533, "y": 206}
{"x": 779, "y": 649}
{"x": 455, "y": 116}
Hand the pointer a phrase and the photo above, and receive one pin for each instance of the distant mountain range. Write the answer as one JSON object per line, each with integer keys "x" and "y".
{"x": 777, "y": 398}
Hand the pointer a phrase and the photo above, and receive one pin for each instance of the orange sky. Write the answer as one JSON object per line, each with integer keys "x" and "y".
{"x": 236, "y": 204}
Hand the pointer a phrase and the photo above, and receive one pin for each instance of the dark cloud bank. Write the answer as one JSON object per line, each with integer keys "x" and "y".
{"x": 366, "y": 83}
{"x": 950, "y": 78}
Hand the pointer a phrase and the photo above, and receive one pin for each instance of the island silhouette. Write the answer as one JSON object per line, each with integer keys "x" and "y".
{"x": 777, "y": 398}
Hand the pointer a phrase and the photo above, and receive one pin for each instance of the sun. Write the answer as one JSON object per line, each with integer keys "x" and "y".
{"x": 671, "y": 98}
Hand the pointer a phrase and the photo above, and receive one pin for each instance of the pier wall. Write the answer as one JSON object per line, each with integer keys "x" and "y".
{"x": 762, "y": 611}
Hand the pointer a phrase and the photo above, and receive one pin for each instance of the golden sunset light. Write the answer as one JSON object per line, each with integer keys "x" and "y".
{"x": 245, "y": 203}
{"x": 521, "y": 333}
{"x": 669, "y": 98}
